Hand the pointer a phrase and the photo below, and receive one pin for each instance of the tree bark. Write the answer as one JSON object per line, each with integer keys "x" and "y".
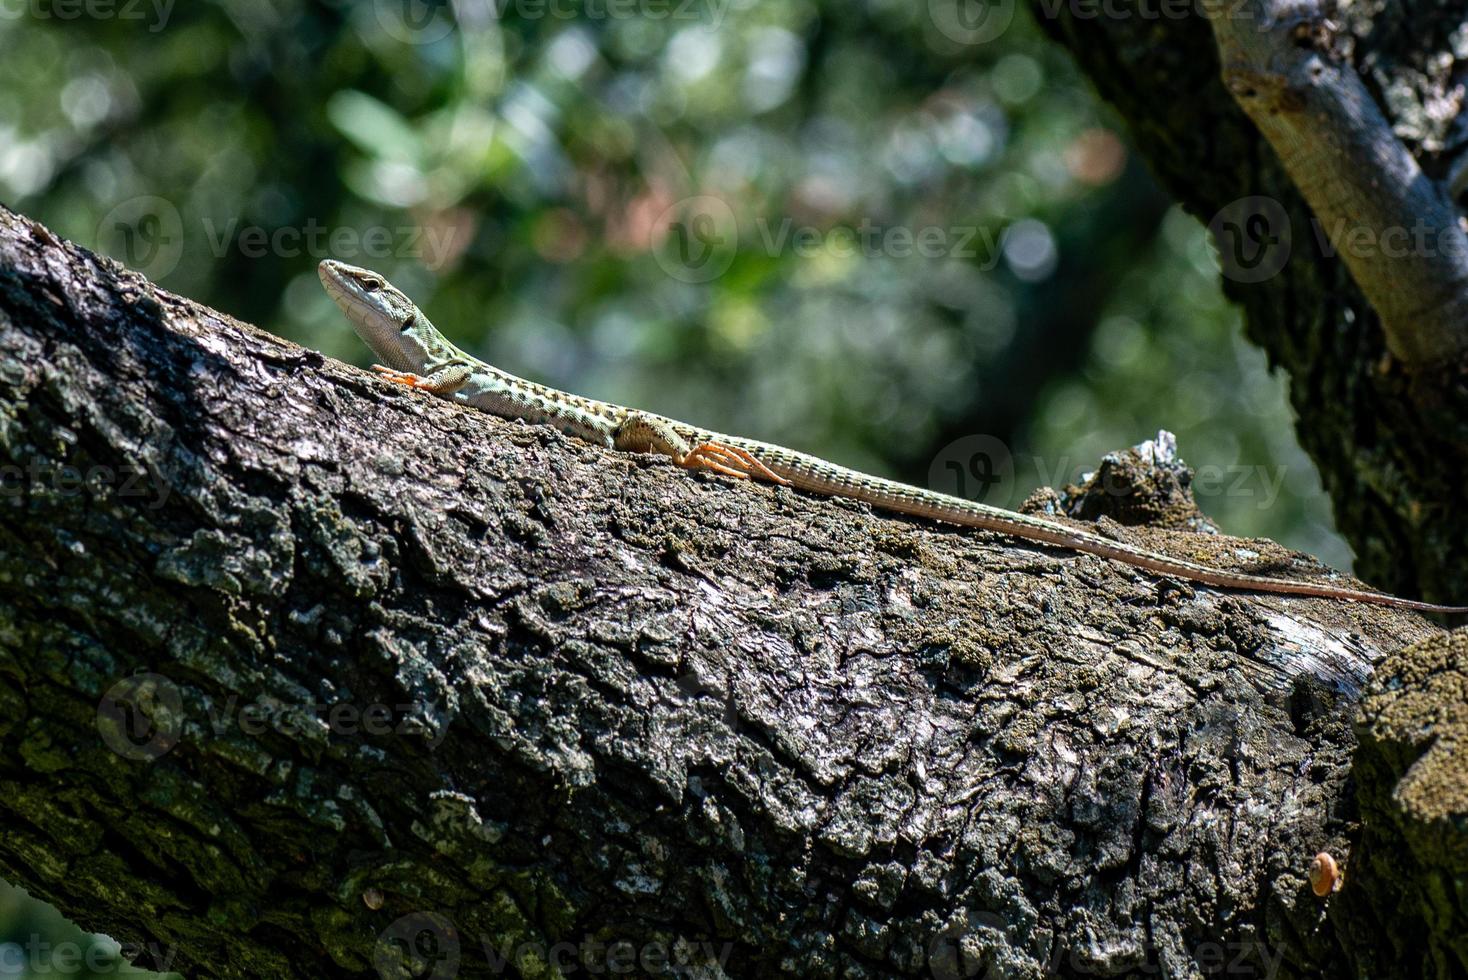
{"x": 1383, "y": 412}
{"x": 306, "y": 675}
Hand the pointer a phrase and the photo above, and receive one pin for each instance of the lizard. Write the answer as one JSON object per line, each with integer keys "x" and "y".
{"x": 420, "y": 357}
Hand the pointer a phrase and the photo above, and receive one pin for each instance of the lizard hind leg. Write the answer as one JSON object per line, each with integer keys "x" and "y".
{"x": 742, "y": 462}
{"x": 641, "y": 433}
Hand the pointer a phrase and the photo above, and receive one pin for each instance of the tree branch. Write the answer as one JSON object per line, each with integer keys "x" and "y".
{"x": 304, "y": 675}
{"x": 1396, "y": 229}
{"x": 1391, "y": 441}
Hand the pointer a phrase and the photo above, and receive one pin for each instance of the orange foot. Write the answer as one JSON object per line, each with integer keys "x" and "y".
{"x": 730, "y": 461}
{"x": 398, "y": 377}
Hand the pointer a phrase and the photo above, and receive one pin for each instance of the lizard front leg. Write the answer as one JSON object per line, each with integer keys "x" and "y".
{"x": 640, "y": 433}
{"x": 443, "y": 381}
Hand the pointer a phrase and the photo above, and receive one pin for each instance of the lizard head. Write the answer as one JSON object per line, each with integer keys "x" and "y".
{"x": 389, "y": 322}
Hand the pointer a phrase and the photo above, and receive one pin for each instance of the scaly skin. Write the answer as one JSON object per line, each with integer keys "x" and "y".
{"x": 421, "y": 357}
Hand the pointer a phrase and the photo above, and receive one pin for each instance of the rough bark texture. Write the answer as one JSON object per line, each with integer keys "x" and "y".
{"x": 351, "y": 675}
{"x": 1412, "y": 870}
{"x": 1391, "y": 444}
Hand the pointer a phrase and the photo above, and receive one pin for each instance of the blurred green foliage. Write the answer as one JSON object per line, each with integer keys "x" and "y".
{"x": 35, "y": 941}
{"x": 865, "y": 229}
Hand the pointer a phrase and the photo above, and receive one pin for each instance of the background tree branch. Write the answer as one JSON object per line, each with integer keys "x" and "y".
{"x": 1390, "y": 436}
{"x": 1395, "y": 228}
{"x": 304, "y": 675}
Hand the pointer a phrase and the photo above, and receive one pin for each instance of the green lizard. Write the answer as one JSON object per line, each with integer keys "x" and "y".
{"x": 420, "y": 357}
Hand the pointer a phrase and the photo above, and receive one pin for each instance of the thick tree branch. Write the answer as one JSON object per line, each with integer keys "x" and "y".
{"x": 348, "y": 675}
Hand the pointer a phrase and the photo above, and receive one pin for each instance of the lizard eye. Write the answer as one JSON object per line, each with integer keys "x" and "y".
{"x": 371, "y": 285}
